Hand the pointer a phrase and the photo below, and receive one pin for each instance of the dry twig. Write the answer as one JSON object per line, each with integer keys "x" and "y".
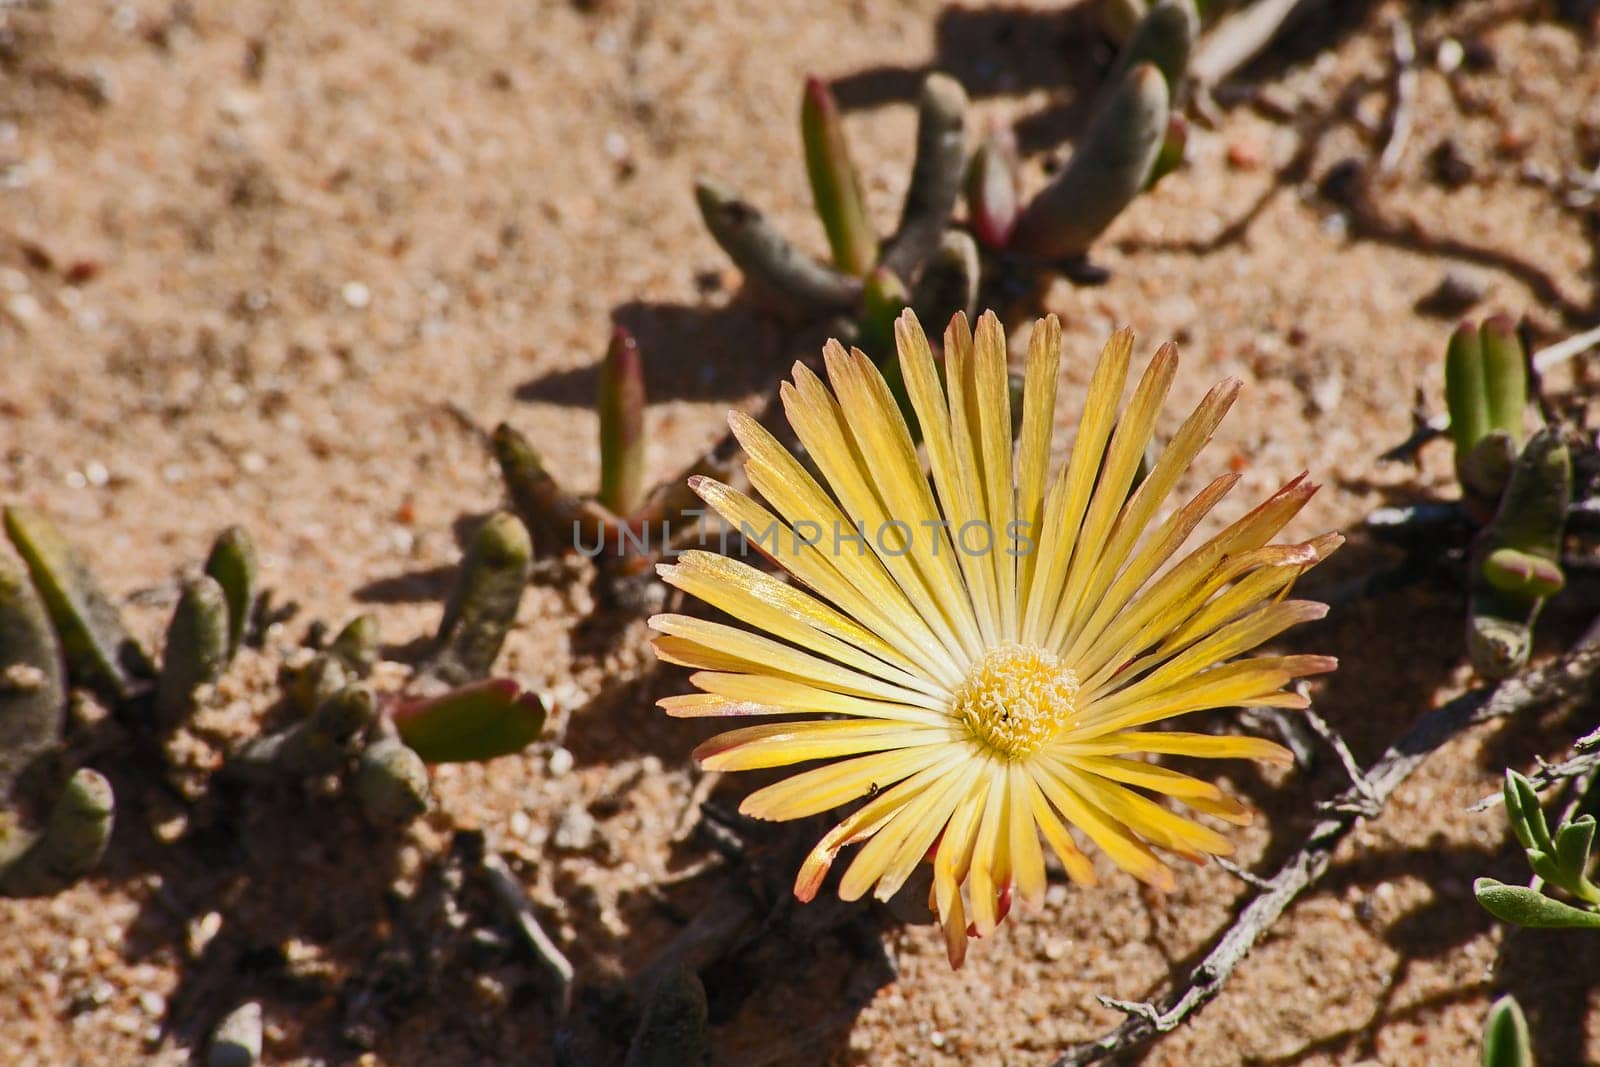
{"x": 1405, "y": 92}
{"x": 1559, "y": 680}
{"x": 511, "y": 896}
{"x": 1548, "y": 774}
{"x": 1240, "y": 38}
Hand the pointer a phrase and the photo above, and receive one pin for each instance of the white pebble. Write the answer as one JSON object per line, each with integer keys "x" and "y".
{"x": 356, "y": 295}
{"x": 560, "y": 762}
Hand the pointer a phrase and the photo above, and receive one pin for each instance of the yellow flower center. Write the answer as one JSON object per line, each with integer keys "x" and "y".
{"x": 1016, "y": 698}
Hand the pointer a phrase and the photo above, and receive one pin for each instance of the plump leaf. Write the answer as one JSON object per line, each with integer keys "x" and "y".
{"x": 1572, "y": 846}
{"x": 232, "y": 564}
{"x": 196, "y": 651}
{"x": 101, "y": 654}
{"x": 835, "y": 183}
{"x": 472, "y": 723}
{"x": 1505, "y": 1036}
{"x": 32, "y": 680}
{"x": 621, "y": 405}
{"x": 1521, "y": 906}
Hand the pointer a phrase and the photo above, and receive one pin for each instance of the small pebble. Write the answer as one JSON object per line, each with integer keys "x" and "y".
{"x": 575, "y": 832}
{"x": 560, "y": 762}
{"x": 1449, "y": 55}
{"x": 356, "y": 295}
{"x": 1450, "y": 168}
{"x": 1457, "y": 291}
{"x": 1246, "y": 154}
{"x": 236, "y": 1042}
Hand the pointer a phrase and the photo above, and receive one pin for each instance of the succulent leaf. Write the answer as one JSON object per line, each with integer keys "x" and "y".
{"x": 484, "y": 605}
{"x": 100, "y": 652}
{"x": 32, "y": 679}
{"x": 473, "y": 723}
{"x": 1516, "y": 560}
{"x": 994, "y": 189}
{"x": 936, "y": 175}
{"x": 552, "y": 515}
{"x": 1108, "y": 168}
{"x": 949, "y": 281}
{"x": 72, "y": 842}
{"x": 316, "y": 745}
{"x": 196, "y": 650}
{"x": 232, "y": 563}
{"x": 1165, "y": 37}
{"x": 392, "y": 782}
{"x": 622, "y": 435}
{"x": 774, "y": 267}
{"x": 1505, "y": 1036}
{"x": 1521, "y": 906}
{"x": 356, "y": 646}
{"x": 835, "y": 183}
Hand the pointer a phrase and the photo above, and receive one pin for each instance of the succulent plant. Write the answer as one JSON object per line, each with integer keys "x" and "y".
{"x": 806, "y": 288}
{"x": 1560, "y": 861}
{"x": 622, "y": 437}
{"x": 100, "y": 652}
{"x": 623, "y": 528}
{"x": 73, "y": 835}
{"x": 382, "y": 744}
{"x": 1132, "y": 140}
{"x": 1486, "y": 392}
{"x": 481, "y": 611}
{"x": 1516, "y": 561}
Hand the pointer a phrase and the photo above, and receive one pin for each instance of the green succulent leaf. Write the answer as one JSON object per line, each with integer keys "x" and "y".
{"x": 100, "y": 652}
{"x": 232, "y": 564}
{"x": 472, "y": 723}
{"x": 1522, "y": 906}
{"x": 835, "y": 183}
{"x": 1522, "y": 800}
{"x": 1572, "y": 847}
{"x": 1505, "y": 1036}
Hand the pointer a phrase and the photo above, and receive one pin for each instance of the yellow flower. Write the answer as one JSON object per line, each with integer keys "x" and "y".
{"x": 983, "y": 659}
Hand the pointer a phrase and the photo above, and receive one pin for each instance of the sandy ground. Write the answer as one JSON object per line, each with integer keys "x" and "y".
{"x": 280, "y": 264}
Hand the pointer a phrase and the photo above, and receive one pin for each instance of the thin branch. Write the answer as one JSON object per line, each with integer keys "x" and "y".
{"x": 1405, "y": 92}
{"x": 1548, "y": 774}
{"x": 1561, "y": 351}
{"x": 1247, "y": 877}
{"x": 1240, "y": 38}
{"x": 1559, "y": 680}
{"x": 1370, "y": 804}
{"x": 511, "y": 896}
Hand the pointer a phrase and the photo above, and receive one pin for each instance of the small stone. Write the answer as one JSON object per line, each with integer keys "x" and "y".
{"x": 520, "y": 825}
{"x": 560, "y": 763}
{"x": 201, "y": 932}
{"x": 236, "y": 1042}
{"x": 1246, "y": 154}
{"x": 575, "y": 832}
{"x": 23, "y": 309}
{"x": 21, "y": 678}
{"x": 356, "y": 295}
{"x": 1456, "y": 292}
{"x": 1449, "y": 56}
{"x": 1450, "y": 168}
{"x": 153, "y": 1004}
